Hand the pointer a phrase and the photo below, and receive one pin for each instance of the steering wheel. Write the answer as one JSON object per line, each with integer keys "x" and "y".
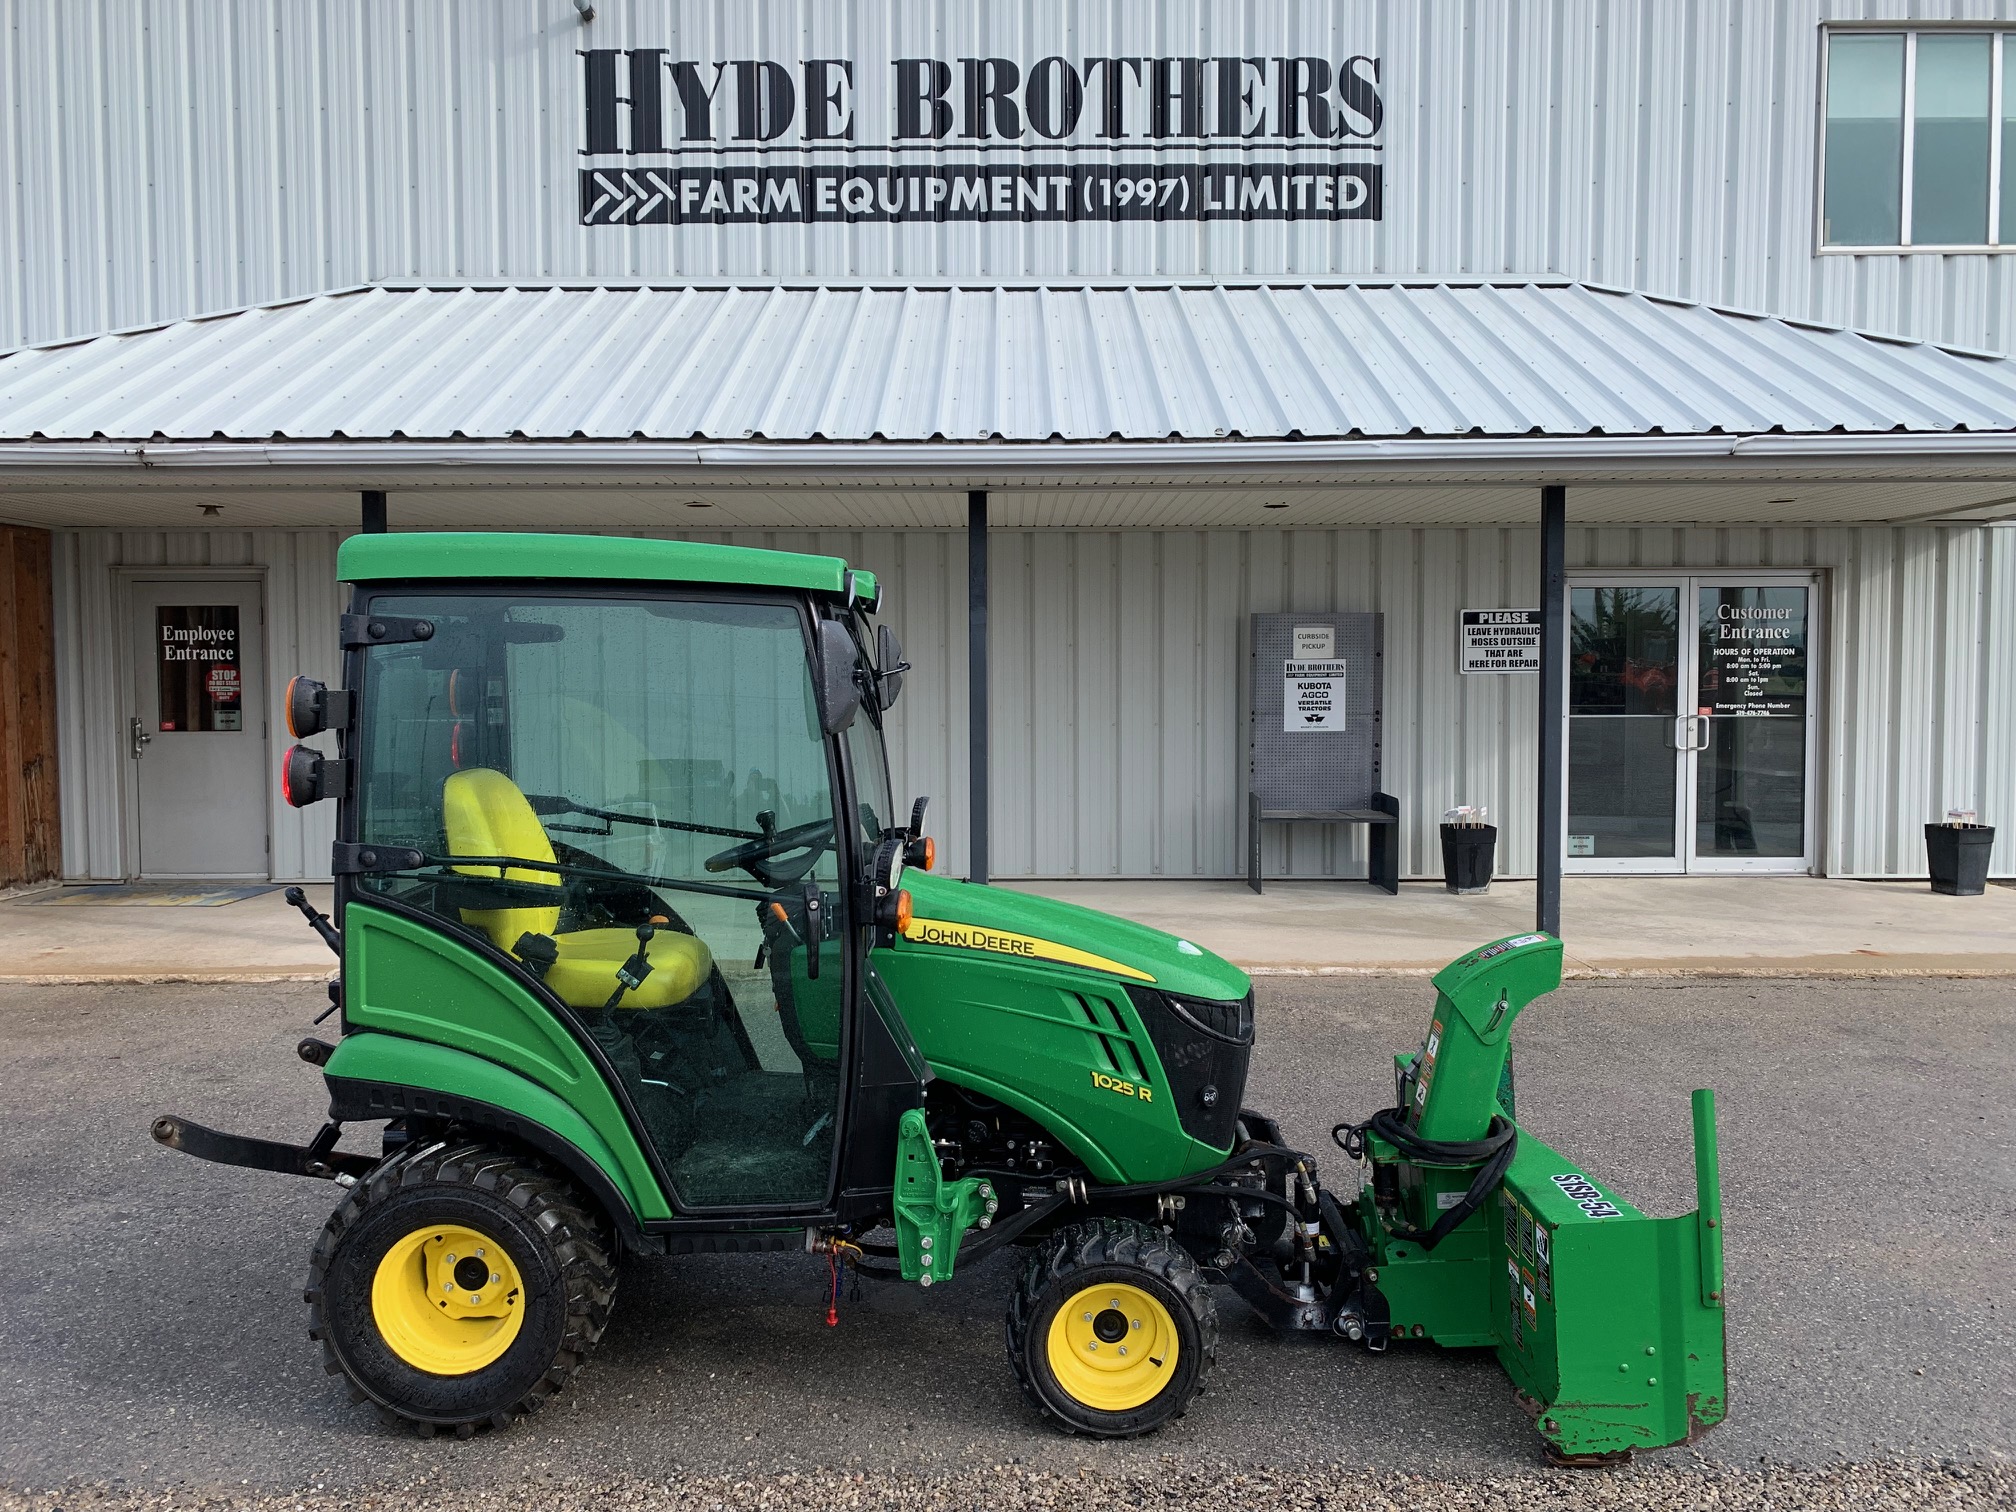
{"x": 812, "y": 838}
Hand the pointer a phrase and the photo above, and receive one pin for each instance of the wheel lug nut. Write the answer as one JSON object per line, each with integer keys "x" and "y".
{"x": 495, "y": 1279}
{"x": 447, "y": 1286}
{"x": 1123, "y": 1349}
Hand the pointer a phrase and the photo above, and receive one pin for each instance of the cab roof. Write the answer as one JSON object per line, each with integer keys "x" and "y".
{"x": 519, "y": 556}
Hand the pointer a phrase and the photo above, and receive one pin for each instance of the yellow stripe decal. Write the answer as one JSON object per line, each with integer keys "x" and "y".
{"x": 974, "y": 937}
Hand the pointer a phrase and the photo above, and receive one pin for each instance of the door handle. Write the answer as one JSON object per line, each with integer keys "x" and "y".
{"x": 138, "y": 733}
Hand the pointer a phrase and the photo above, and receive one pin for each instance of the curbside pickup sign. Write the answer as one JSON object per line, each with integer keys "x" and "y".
{"x": 1498, "y": 640}
{"x": 1312, "y": 696}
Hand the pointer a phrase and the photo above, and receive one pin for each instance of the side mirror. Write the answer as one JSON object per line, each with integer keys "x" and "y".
{"x": 889, "y": 666}
{"x": 839, "y": 677}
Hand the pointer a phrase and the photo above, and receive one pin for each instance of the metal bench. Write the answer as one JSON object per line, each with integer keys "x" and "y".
{"x": 1317, "y": 760}
{"x": 1383, "y": 844}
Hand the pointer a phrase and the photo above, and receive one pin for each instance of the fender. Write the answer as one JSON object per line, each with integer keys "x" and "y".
{"x": 373, "y": 1076}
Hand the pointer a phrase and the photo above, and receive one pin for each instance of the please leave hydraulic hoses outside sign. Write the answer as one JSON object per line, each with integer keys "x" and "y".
{"x": 673, "y": 139}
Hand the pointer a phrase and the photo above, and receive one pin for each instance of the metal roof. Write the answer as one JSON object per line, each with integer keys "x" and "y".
{"x": 1081, "y": 363}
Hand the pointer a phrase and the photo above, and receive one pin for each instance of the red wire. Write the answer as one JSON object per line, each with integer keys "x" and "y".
{"x": 833, "y": 1299}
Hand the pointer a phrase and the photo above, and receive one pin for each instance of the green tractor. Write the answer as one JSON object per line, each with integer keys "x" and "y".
{"x": 639, "y": 957}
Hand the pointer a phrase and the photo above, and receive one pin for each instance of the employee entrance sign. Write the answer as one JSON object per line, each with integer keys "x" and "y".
{"x": 1312, "y": 696}
{"x": 1498, "y": 640}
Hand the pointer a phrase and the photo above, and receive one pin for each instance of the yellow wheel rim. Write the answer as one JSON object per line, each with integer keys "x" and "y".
{"x": 448, "y": 1300}
{"x": 1113, "y": 1347}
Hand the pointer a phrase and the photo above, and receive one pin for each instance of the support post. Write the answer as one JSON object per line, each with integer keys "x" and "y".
{"x": 977, "y": 710}
{"x": 1553, "y": 701}
{"x": 374, "y": 512}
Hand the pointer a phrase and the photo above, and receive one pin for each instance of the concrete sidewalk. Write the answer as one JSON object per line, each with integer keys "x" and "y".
{"x": 1613, "y": 926}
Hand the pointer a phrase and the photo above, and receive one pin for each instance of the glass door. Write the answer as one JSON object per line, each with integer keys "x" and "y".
{"x": 1752, "y": 748}
{"x": 1690, "y": 739}
{"x": 1625, "y": 792}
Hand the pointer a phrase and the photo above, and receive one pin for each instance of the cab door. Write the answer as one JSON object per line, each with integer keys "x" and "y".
{"x": 659, "y": 762}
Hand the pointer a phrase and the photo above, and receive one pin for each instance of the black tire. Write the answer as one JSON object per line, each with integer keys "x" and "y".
{"x": 543, "y": 1227}
{"x": 1103, "y": 1253}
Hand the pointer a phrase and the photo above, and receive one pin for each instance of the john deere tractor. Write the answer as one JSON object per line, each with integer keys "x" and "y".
{"x": 640, "y": 957}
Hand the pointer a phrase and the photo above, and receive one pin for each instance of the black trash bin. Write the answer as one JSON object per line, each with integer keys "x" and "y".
{"x": 1957, "y": 855}
{"x": 1467, "y": 853}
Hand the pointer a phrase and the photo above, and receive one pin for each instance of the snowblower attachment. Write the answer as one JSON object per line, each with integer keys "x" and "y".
{"x": 1609, "y": 1322}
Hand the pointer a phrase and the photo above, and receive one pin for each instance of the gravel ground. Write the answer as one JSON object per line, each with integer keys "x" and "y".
{"x": 151, "y": 1330}
{"x": 1850, "y": 1488}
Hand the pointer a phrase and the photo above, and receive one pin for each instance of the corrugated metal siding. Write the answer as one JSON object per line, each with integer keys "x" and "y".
{"x": 205, "y": 154}
{"x": 93, "y": 676}
{"x": 1139, "y": 363}
{"x": 1119, "y": 673}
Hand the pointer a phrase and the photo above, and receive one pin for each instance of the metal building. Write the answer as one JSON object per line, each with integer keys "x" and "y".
{"x": 1181, "y": 313}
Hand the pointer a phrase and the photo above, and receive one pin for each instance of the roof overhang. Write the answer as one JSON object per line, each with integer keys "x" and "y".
{"x": 1407, "y": 391}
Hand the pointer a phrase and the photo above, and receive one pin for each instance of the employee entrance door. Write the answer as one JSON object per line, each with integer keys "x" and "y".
{"x": 1690, "y": 726}
{"x": 195, "y": 735}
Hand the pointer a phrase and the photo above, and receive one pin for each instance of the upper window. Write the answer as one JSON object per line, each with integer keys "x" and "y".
{"x": 1918, "y": 127}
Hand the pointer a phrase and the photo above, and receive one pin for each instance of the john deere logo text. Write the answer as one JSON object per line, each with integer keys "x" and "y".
{"x": 958, "y": 936}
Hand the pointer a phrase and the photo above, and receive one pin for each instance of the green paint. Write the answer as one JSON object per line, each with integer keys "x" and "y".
{"x": 932, "y": 1214}
{"x": 457, "y": 555}
{"x": 1605, "y": 1317}
{"x": 1193, "y": 972}
{"x": 401, "y": 977}
{"x": 403, "y": 1062}
{"x": 1032, "y": 1034}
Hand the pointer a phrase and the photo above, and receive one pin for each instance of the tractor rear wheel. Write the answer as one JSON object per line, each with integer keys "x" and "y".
{"x": 458, "y": 1286}
{"x": 1111, "y": 1328}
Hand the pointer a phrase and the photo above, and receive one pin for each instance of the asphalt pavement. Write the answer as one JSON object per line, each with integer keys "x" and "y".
{"x": 152, "y": 1333}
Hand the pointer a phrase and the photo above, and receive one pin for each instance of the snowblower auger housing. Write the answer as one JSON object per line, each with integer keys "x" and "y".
{"x": 1609, "y": 1322}
{"x": 639, "y": 955}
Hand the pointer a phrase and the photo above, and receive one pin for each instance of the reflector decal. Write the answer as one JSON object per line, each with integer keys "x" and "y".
{"x": 1001, "y": 942}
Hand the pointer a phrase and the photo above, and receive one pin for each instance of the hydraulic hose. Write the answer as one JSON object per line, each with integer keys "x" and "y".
{"x": 1492, "y": 1155}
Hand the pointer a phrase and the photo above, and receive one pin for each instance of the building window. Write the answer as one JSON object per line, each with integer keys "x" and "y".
{"x": 1918, "y": 126}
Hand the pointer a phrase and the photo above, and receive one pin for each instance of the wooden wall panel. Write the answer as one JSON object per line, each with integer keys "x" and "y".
{"x": 29, "y": 842}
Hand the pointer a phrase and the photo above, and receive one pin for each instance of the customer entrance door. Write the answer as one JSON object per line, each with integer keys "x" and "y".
{"x": 1690, "y": 728}
{"x": 195, "y": 733}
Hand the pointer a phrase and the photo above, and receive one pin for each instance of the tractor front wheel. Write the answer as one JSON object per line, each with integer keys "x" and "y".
{"x": 1111, "y": 1328}
{"x": 458, "y": 1286}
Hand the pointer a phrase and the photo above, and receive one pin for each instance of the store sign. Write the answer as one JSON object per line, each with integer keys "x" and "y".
{"x": 1498, "y": 640}
{"x": 674, "y": 140}
{"x": 1312, "y": 696}
{"x": 198, "y": 668}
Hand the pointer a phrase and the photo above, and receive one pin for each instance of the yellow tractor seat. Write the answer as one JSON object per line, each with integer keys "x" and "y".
{"x": 585, "y": 974}
{"x": 484, "y": 814}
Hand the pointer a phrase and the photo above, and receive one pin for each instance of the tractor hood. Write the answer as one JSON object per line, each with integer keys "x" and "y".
{"x": 959, "y": 915}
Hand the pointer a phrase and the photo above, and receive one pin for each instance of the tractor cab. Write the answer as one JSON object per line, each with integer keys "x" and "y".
{"x": 653, "y": 804}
